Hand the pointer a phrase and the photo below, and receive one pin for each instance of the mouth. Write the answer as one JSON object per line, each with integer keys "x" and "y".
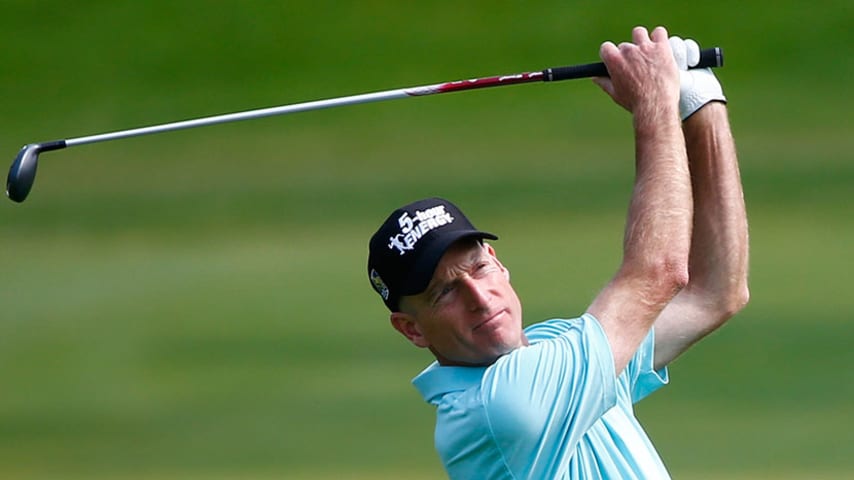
{"x": 489, "y": 320}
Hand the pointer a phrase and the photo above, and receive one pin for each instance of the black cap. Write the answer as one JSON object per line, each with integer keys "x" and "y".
{"x": 404, "y": 252}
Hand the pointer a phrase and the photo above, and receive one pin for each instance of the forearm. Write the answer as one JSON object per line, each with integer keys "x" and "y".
{"x": 719, "y": 250}
{"x": 657, "y": 238}
{"x": 658, "y": 225}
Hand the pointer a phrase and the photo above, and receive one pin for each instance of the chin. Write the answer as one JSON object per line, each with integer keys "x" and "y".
{"x": 503, "y": 348}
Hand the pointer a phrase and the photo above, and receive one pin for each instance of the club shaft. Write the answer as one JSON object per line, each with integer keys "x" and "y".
{"x": 712, "y": 57}
{"x": 238, "y": 116}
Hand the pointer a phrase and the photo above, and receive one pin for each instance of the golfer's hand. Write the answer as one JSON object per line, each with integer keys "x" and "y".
{"x": 697, "y": 87}
{"x": 643, "y": 74}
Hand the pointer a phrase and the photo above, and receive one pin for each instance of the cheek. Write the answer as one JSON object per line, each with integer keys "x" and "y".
{"x": 514, "y": 299}
{"x": 442, "y": 327}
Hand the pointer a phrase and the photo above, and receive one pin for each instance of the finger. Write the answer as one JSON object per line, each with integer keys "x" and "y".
{"x": 679, "y": 52}
{"x": 607, "y": 51}
{"x": 692, "y": 52}
{"x": 640, "y": 35}
{"x": 659, "y": 34}
{"x": 625, "y": 47}
{"x": 605, "y": 84}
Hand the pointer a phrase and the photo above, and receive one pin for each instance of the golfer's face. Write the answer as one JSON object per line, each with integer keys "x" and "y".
{"x": 469, "y": 313}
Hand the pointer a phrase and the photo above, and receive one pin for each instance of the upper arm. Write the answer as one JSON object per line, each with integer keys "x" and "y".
{"x": 627, "y": 307}
{"x": 686, "y": 320}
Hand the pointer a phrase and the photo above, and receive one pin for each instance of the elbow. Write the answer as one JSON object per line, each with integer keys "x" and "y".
{"x": 733, "y": 295}
{"x": 659, "y": 278}
{"x": 664, "y": 278}
{"x": 729, "y": 306}
{"x": 736, "y": 300}
{"x": 674, "y": 275}
{"x": 724, "y": 306}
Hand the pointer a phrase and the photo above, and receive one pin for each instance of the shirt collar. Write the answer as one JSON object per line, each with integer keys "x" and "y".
{"x": 436, "y": 380}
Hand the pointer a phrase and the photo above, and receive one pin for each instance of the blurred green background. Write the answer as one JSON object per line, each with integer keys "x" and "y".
{"x": 195, "y": 305}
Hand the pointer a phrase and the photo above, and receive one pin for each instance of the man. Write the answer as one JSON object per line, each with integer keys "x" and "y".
{"x": 555, "y": 400}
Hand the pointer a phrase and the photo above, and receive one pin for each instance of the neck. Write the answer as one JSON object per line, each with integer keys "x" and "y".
{"x": 447, "y": 362}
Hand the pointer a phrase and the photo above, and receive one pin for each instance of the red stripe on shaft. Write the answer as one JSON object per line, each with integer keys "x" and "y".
{"x": 474, "y": 83}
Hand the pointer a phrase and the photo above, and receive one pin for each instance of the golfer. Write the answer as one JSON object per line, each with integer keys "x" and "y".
{"x": 554, "y": 400}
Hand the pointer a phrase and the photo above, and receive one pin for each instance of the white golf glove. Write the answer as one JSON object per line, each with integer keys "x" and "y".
{"x": 697, "y": 87}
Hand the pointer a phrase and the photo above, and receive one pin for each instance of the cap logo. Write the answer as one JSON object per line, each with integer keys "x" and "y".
{"x": 413, "y": 228}
{"x": 379, "y": 285}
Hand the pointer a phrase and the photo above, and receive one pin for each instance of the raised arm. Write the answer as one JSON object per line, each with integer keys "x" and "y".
{"x": 644, "y": 79}
{"x": 719, "y": 249}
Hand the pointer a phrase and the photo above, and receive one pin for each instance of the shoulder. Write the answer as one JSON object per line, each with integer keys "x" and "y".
{"x": 552, "y": 328}
{"x": 585, "y": 329}
{"x": 550, "y": 393}
{"x": 567, "y": 360}
{"x": 563, "y": 354}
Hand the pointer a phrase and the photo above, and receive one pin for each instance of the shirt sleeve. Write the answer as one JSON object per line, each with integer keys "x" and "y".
{"x": 549, "y": 394}
{"x": 640, "y": 373}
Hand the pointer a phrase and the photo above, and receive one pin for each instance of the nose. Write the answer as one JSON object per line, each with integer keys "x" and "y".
{"x": 478, "y": 294}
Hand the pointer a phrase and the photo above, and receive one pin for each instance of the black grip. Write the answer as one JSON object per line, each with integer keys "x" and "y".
{"x": 575, "y": 71}
{"x": 710, "y": 57}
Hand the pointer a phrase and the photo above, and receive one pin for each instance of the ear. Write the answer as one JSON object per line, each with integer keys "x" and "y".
{"x": 409, "y": 328}
{"x": 491, "y": 251}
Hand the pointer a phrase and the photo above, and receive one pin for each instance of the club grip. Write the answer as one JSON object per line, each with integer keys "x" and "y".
{"x": 709, "y": 58}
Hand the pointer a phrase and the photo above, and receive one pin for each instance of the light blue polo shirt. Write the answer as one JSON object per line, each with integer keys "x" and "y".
{"x": 552, "y": 410}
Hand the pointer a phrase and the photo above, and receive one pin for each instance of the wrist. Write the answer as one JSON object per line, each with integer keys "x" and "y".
{"x": 651, "y": 117}
{"x": 710, "y": 113}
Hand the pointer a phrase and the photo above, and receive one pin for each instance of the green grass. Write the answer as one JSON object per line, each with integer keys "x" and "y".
{"x": 194, "y": 304}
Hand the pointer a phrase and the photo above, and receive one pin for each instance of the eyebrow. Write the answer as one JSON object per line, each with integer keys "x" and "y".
{"x": 475, "y": 256}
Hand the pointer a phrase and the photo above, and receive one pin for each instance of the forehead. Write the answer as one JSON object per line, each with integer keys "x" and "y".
{"x": 460, "y": 253}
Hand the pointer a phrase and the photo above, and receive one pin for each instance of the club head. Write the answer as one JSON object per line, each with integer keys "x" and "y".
{"x": 22, "y": 174}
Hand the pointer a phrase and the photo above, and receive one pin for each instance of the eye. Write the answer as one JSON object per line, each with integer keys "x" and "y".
{"x": 482, "y": 268}
{"x": 442, "y": 293}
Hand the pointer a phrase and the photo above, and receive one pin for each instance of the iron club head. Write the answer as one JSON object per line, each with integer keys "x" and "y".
{"x": 22, "y": 174}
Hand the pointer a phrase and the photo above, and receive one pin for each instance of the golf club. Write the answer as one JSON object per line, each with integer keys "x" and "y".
{"x": 22, "y": 173}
